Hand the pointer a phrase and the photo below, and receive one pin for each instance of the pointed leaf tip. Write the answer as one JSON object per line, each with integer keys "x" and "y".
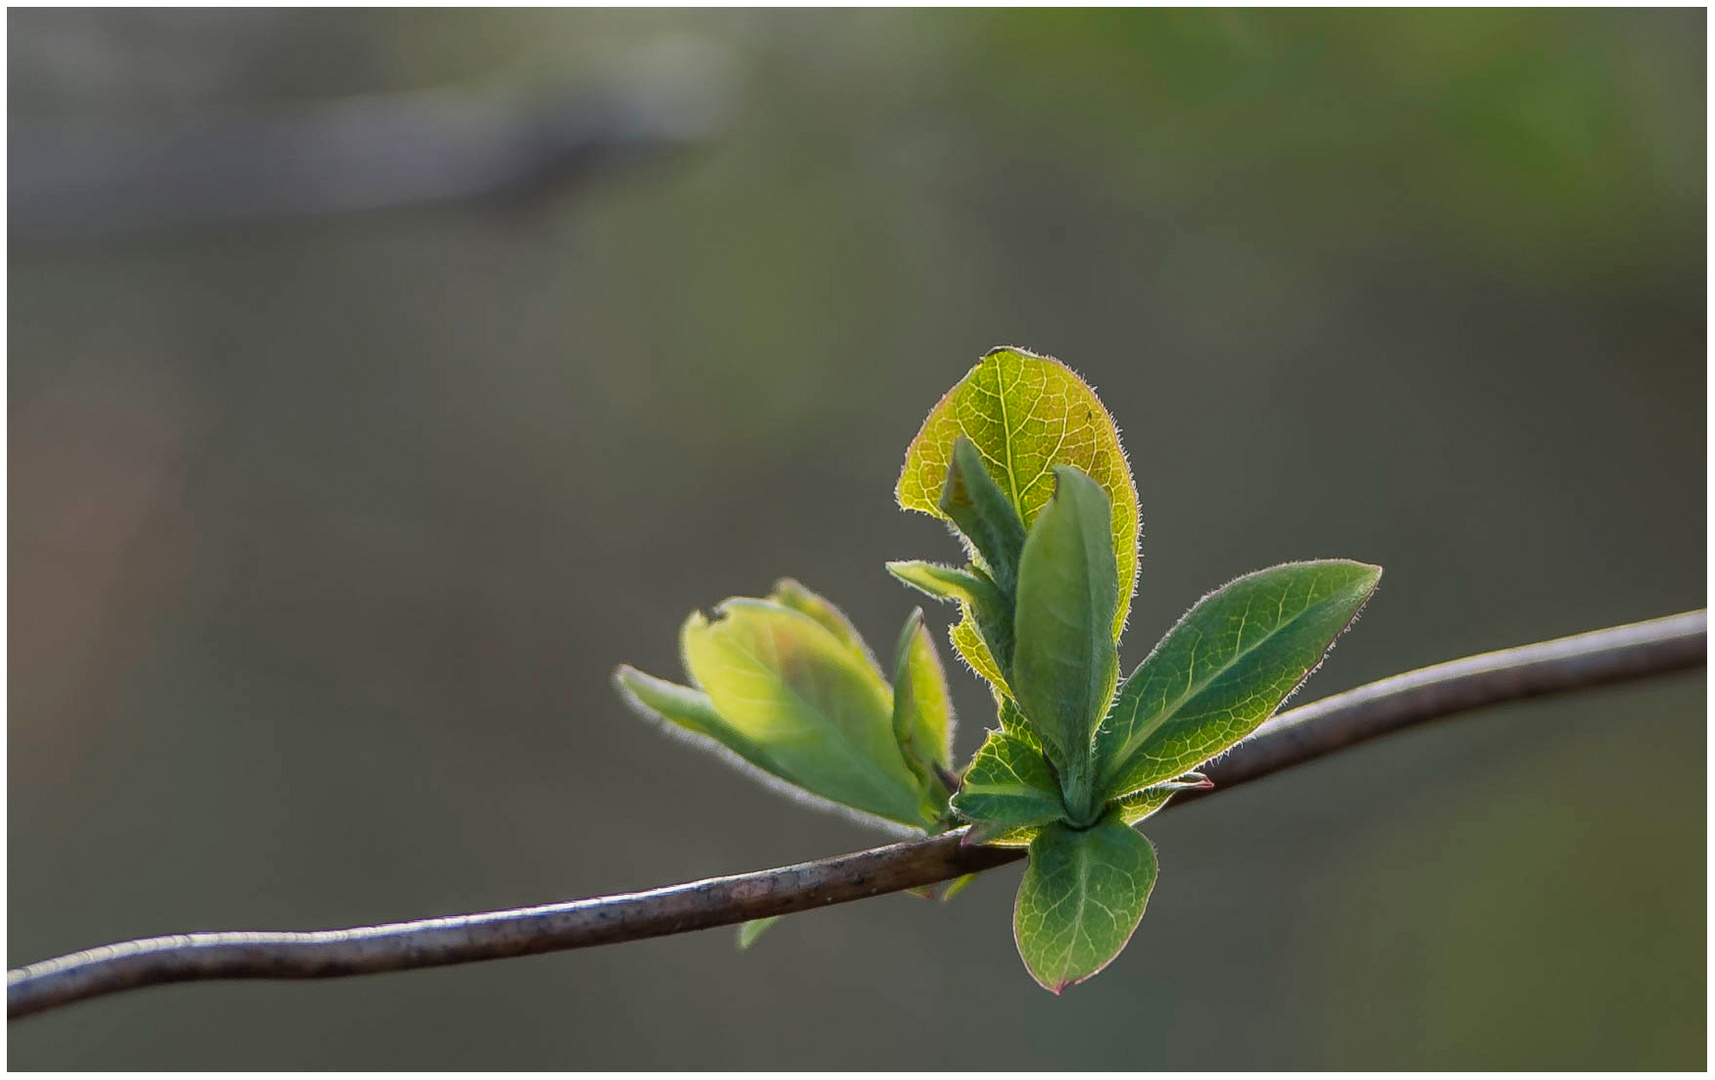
{"x": 790, "y": 593}
{"x": 957, "y": 886}
{"x": 981, "y": 511}
{"x": 1225, "y": 667}
{"x": 748, "y": 932}
{"x": 985, "y": 633}
{"x": 1139, "y": 805}
{"x": 923, "y": 718}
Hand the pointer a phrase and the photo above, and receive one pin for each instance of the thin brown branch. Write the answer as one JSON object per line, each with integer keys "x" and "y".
{"x": 1299, "y": 735}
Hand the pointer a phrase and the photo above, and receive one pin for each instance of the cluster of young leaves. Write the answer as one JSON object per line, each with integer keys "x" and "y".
{"x": 1023, "y": 462}
{"x": 786, "y": 690}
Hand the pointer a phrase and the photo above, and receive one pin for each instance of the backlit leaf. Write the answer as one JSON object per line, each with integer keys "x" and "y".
{"x": 984, "y": 515}
{"x": 957, "y": 886}
{"x": 786, "y": 698}
{"x": 990, "y": 834}
{"x": 1141, "y": 804}
{"x": 1225, "y": 667}
{"x": 790, "y": 594}
{"x": 922, "y": 708}
{"x": 826, "y": 718}
{"x": 691, "y": 712}
{"x": 1018, "y": 730}
{"x": 1009, "y": 783}
{"x": 968, "y": 641}
{"x": 1012, "y": 719}
{"x": 988, "y": 618}
{"x": 755, "y": 928}
{"x": 1064, "y": 665}
{"x": 969, "y": 586}
{"x": 1025, "y": 414}
{"x": 1082, "y": 896}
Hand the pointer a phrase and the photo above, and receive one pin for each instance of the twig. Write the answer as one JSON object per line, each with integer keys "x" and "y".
{"x": 1299, "y": 735}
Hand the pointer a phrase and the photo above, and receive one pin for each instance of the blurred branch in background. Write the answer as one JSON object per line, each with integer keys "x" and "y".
{"x": 1297, "y": 736}
{"x": 361, "y": 154}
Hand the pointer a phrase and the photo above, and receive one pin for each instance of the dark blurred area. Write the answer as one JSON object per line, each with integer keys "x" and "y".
{"x": 329, "y": 518}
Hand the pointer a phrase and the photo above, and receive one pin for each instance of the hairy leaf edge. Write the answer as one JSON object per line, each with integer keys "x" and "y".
{"x": 1125, "y": 604}
{"x": 1055, "y": 990}
{"x": 1314, "y": 668}
{"x": 777, "y": 784}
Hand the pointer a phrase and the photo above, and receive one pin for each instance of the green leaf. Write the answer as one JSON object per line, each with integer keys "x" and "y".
{"x": 990, "y": 834}
{"x": 1025, "y": 414}
{"x": 755, "y": 928}
{"x": 1010, "y": 784}
{"x": 1012, "y": 719}
{"x": 788, "y": 697}
{"x": 1064, "y": 665}
{"x": 790, "y": 594}
{"x": 690, "y": 711}
{"x": 989, "y": 522}
{"x": 968, "y": 643}
{"x": 922, "y": 708}
{"x": 1141, "y": 804}
{"x": 1013, "y": 722}
{"x": 988, "y": 614}
{"x": 1225, "y": 667}
{"x": 788, "y": 683}
{"x": 1082, "y": 896}
{"x": 968, "y": 586}
{"x": 957, "y": 886}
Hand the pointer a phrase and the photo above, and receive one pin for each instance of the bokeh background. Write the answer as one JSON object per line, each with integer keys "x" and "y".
{"x": 333, "y": 503}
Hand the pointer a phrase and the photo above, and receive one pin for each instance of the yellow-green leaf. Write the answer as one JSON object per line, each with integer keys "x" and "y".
{"x": 748, "y": 932}
{"x": 785, "y": 681}
{"x": 1012, "y": 719}
{"x": 970, "y": 586}
{"x": 691, "y": 712}
{"x": 922, "y": 708}
{"x": 969, "y": 644}
{"x": 785, "y": 697}
{"x": 990, "y": 834}
{"x": 987, "y": 613}
{"x": 1141, "y": 804}
{"x": 791, "y": 594}
{"x": 1025, "y": 414}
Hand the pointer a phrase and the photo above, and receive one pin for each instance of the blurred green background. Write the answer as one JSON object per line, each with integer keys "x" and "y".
{"x": 326, "y": 531}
